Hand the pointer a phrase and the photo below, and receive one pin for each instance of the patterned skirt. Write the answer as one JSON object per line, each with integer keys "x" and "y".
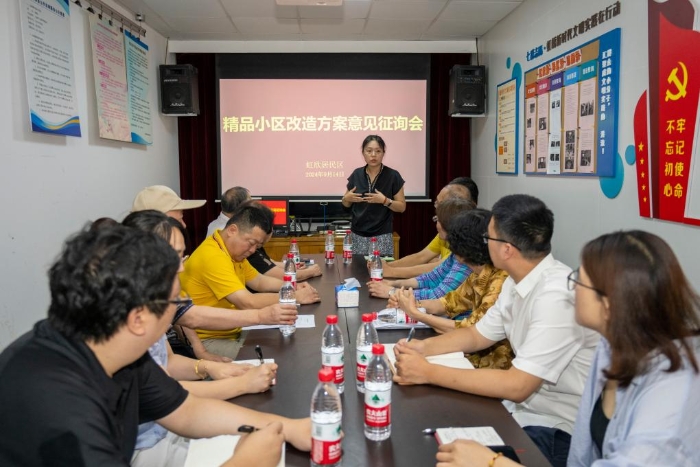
{"x": 385, "y": 244}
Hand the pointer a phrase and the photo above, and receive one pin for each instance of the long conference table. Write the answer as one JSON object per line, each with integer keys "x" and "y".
{"x": 413, "y": 407}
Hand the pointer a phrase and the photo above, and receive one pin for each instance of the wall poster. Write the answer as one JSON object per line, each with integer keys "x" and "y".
{"x": 571, "y": 107}
{"x": 48, "y": 64}
{"x": 507, "y": 128}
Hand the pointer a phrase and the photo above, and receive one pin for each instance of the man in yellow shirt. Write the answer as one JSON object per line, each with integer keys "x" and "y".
{"x": 217, "y": 274}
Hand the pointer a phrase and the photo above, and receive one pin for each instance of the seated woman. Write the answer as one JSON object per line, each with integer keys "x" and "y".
{"x": 446, "y": 276}
{"x": 475, "y": 296}
{"x": 642, "y": 398}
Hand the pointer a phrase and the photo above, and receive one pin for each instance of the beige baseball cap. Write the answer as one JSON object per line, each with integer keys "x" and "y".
{"x": 163, "y": 199}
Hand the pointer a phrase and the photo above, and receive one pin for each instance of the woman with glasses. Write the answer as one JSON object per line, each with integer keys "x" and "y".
{"x": 641, "y": 404}
{"x": 374, "y": 193}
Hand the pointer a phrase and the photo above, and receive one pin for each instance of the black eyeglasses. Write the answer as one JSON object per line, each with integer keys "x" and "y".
{"x": 573, "y": 279}
{"x": 179, "y": 301}
{"x": 487, "y": 238}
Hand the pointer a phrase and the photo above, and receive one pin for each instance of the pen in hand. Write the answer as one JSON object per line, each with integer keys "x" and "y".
{"x": 247, "y": 429}
{"x": 411, "y": 333}
{"x": 258, "y": 352}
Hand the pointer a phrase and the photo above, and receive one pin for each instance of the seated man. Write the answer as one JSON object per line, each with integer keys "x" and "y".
{"x": 230, "y": 200}
{"x": 535, "y": 313}
{"x": 437, "y": 250}
{"x": 76, "y": 386}
{"x": 474, "y": 297}
{"x": 217, "y": 274}
{"x": 260, "y": 260}
{"x": 163, "y": 199}
{"x": 447, "y": 275}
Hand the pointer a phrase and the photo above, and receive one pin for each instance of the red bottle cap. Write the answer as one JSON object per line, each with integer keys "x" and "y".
{"x": 377, "y": 349}
{"x": 374, "y": 239}
{"x": 347, "y": 232}
{"x": 330, "y": 232}
{"x": 325, "y": 375}
{"x": 294, "y": 240}
{"x": 332, "y": 319}
{"x": 367, "y": 317}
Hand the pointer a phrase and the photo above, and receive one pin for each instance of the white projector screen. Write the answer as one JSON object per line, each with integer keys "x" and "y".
{"x": 302, "y": 138}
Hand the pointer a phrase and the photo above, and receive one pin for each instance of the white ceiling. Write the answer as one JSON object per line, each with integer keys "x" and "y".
{"x": 355, "y": 20}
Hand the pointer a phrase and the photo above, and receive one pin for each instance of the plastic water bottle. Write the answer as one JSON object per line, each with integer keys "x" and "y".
{"x": 366, "y": 337}
{"x": 332, "y": 349}
{"x": 376, "y": 271}
{"x": 330, "y": 249}
{"x": 378, "y": 396}
{"x": 294, "y": 249}
{"x": 326, "y": 414}
{"x": 288, "y": 297}
{"x": 347, "y": 248}
{"x": 290, "y": 269}
{"x": 372, "y": 246}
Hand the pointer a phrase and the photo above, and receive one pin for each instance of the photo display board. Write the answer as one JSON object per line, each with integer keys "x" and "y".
{"x": 571, "y": 105}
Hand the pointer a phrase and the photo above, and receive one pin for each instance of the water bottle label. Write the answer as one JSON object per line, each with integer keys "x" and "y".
{"x": 363, "y": 357}
{"x": 376, "y": 274}
{"x": 403, "y": 318}
{"x": 334, "y": 361}
{"x": 347, "y": 252}
{"x": 325, "y": 443}
{"x": 330, "y": 254}
{"x": 377, "y": 408}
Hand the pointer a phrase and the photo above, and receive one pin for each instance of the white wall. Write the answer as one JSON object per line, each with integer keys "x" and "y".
{"x": 50, "y": 186}
{"x": 581, "y": 210}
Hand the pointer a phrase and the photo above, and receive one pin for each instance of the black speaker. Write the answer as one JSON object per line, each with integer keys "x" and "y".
{"x": 467, "y": 91}
{"x": 179, "y": 94}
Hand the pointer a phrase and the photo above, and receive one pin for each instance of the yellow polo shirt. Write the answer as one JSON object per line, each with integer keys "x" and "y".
{"x": 210, "y": 275}
{"x": 439, "y": 247}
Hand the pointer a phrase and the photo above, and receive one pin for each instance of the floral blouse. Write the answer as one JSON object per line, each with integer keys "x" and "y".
{"x": 478, "y": 293}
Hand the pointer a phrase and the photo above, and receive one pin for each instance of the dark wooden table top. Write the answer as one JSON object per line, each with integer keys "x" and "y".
{"x": 413, "y": 407}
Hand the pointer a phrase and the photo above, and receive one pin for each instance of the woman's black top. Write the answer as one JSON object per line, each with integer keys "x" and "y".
{"x": 373, "y": 219}
{"x": 599, "y": 423}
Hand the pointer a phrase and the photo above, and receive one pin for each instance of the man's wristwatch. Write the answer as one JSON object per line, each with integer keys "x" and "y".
{"x": 389, "y": 201}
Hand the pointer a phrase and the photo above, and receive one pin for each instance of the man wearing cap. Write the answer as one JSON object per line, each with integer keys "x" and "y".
{"x": 163, "y": 199}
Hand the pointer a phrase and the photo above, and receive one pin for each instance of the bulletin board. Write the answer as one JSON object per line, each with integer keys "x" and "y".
{"x": 571, "y": 107}
{"x": 507, "y": 127}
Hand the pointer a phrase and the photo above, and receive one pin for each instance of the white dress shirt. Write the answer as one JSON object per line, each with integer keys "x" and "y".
{"x": 217, "y": 224}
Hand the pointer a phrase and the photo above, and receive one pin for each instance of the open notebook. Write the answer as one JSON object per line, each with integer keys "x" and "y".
{"x": 452, "y": 360}
{"x": 212, "y": 452}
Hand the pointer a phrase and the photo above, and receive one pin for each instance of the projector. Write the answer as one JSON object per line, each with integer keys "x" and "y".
{"x": 309, "y": 2}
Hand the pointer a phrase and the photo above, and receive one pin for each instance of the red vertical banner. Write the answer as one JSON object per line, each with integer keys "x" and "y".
{"x": 641, "y": 150}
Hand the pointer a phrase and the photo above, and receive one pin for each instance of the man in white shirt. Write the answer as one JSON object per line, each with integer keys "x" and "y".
{"x": 230, "y": 200}
{"x": 535, "y": 312}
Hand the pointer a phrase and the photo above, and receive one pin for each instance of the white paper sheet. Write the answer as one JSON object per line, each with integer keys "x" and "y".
{"x": 452, "y": 359}
{"x": 303, "y": 321}
{"x": 212, "y": 452}
{"x": 485, "y": 435}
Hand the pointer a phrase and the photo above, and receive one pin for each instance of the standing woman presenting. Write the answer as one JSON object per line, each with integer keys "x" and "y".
{"x": 374, "y": 193}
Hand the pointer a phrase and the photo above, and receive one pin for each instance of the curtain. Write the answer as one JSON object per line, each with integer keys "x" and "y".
{"x": 449, "y": 149}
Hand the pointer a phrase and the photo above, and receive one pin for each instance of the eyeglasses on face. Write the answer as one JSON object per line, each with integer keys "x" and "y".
{"x": 179, "y": 301}
{"x": 486, "y": 238}
{"x": 573, "y": 279}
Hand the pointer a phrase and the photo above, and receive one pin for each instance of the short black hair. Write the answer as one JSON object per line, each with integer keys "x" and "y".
{"x": 101, "y": 275}
{"x": 470, "y": 185}
{"x": 155, "y": 222}
{"x": 525, "y": 222}
{"x": 252, "y": 214}
{"x": 152, "y": 221}
{"x": 466, "y": 236}
{"x": 234, "y": 197}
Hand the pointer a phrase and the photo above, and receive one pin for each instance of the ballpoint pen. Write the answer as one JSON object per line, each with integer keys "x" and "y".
{"x": 410, "y": 334}
{"x": 258, "y": 352}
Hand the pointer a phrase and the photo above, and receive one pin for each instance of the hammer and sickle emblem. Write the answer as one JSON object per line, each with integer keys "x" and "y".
{"x": 680, "y": 86}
